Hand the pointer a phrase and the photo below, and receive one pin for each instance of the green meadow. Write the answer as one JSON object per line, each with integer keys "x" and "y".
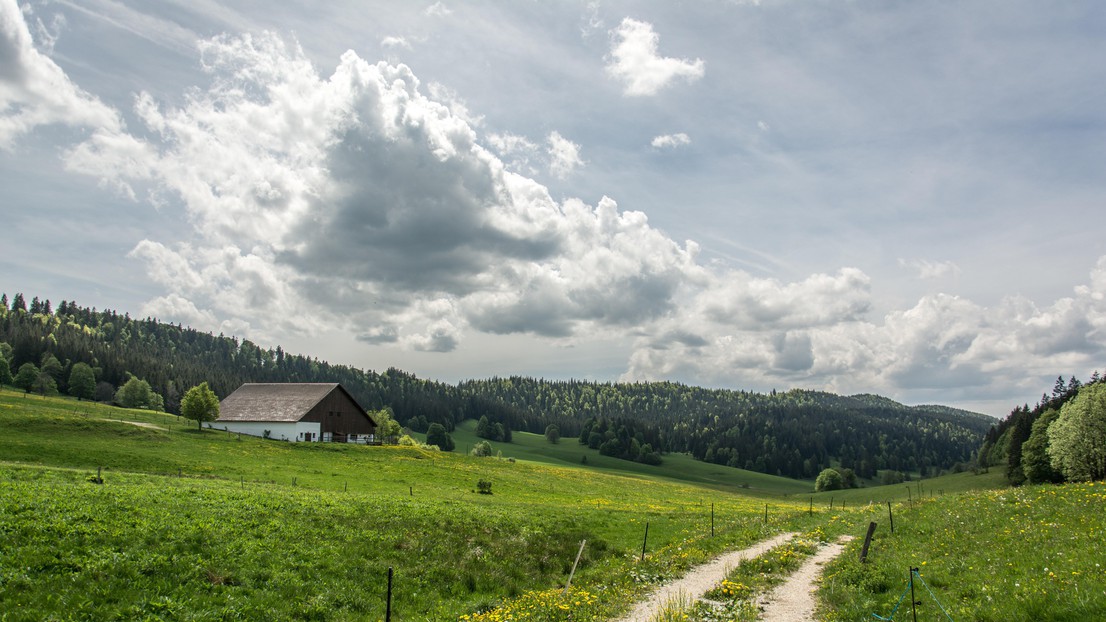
{"x": 190, "y": 525}
{"x": 1009, "y": 555}
{"x": 208, "y": 525}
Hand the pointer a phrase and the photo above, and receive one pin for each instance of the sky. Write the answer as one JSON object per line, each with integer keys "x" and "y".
{"x": 901, "y": 197}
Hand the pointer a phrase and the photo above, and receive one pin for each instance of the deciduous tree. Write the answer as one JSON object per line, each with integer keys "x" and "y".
{"x": 829, "y": 479}
{"x": 45, "y": 384}
{"x": 552, "y": 434}
{"x": 1077, "y": 439}
{"x": 387, "y": 428}
{"x": 200, "y": 404}
{"x": 136, "y": 393}
{"x": 82, "y": 382}
{"x": 5, "y": 370}
{"x": 436, "y": 435}
{"x": 26, "y": 376}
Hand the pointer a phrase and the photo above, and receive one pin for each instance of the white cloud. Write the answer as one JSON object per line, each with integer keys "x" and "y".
{"x": 358, "y": 201}
{"x": 637, "y": 64}
{"x": 592, "y": 20}
{"x": 564, "y": 156}
{"x": 671, "y": 141}
{"x": 34, "y": 91}
{"x": 457, "y": 106}
{"x": 518, "y": 152}
{"x": 816, "y": 333}
{"x": 928, "y": 270}
{"x": 395, "y": 42}
{"x": 438, "y": 9}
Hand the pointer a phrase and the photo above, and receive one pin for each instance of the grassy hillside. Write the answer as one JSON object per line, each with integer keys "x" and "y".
{"x": 209, "y": 526}
{"x": 916, "y": 489}
{"x": 571, "y": 454}
{"x": 1012, "y": 555}
{"x": 191, "y": 525}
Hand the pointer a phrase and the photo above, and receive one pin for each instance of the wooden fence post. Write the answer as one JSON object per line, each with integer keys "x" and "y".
{"x": 646, "y": 539}
{"x": 573, "y": 572}
{"x": 867, "y": 543}
{"x": 388, "y": 609}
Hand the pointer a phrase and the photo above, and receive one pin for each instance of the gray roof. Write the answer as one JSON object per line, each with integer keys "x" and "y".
{"x": 282, "y": 401}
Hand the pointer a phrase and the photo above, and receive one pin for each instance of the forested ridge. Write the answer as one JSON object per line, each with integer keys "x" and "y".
{"x": 795, "y": 433}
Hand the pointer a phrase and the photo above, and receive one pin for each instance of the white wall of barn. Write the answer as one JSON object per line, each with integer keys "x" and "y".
{"x": 290, "y": 431}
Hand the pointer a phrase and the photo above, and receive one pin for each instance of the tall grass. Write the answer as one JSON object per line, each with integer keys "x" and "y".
{"x": 1032, "y": 553}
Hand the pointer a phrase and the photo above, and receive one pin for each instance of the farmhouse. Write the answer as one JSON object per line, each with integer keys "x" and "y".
{"x": 321, "y": 412}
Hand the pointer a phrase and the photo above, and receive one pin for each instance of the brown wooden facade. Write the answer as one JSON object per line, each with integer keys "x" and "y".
{"x": 339, "y": 415}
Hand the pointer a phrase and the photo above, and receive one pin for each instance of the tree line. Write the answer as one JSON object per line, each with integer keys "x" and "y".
{"x": 1061, "y": 438}
{"x": 795, "y": 433}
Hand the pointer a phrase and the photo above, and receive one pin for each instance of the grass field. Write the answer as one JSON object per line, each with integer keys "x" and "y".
{"x": 191, "y": 525}
{"x": 1025, "y": 554}
{"x": 915, "y": 490}
{"x": 207, "y": 525}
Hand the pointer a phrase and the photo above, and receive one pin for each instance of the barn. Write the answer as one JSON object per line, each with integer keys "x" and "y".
{"x": 319, "y": 412}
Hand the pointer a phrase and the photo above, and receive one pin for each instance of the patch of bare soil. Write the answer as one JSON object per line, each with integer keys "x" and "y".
{"x": 140, "y": 424}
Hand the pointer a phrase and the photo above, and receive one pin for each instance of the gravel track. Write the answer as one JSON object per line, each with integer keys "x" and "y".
{"x": 699, "y": 580}
{"x": 793, "y": 600}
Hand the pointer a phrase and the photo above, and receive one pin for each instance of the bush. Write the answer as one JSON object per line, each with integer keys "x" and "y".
{"x": 483, "y": 449}
{"x": 552, "y": 434}
{"x": 829, "y": 479}
{"x": 484, "y": 487}
{"x": 436, "y": 435}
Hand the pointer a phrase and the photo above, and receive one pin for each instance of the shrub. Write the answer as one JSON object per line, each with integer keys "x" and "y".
{"x": 484, "y": 487}
{"x": 436, "y": 435}
{"x": 829, "y": 479}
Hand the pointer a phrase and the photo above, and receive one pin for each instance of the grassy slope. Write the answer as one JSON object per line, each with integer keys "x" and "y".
{"x": 926, "y": 488}
{"x": 210, "y": 546}
{"x": 1013, "y": 555}
{"x": 681, "y": 468}
{"x": 232, "y": 534}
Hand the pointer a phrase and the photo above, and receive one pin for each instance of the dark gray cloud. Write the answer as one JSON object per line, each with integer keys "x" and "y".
{"x": 397, "y": 214}
{"x": 794, "y": 352}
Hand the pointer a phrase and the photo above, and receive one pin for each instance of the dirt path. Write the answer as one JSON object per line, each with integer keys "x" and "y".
{"x": 702, "y": 578}
{"x": 137, "y": 423}
{"x": 793, "y": 600}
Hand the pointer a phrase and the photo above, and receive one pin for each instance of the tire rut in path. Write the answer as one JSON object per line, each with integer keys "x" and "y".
{"x": 699, "y": 580}
{"x": 793, "y": 600}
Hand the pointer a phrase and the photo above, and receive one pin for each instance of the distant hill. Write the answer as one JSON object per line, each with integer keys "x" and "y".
{"x": 794, "y": 433}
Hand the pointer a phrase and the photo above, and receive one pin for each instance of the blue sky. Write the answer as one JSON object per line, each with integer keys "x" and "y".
{"x": 892, "y": 197}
